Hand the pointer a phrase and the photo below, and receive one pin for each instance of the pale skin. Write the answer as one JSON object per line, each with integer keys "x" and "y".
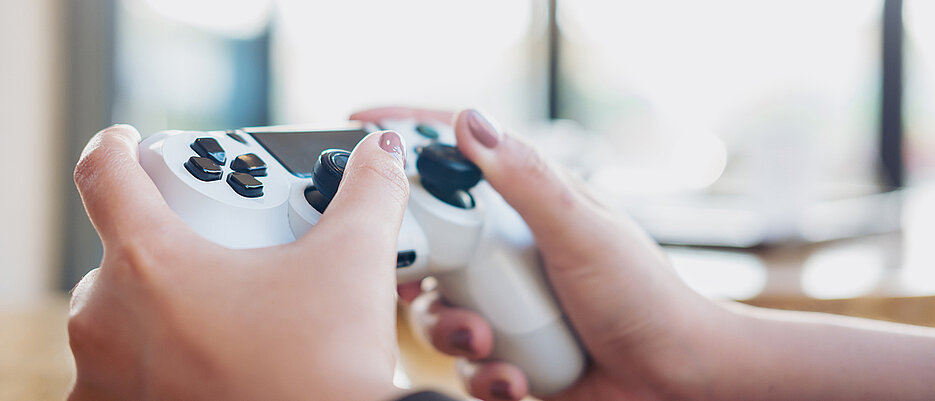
{"x": 649, "y": 336}
{"x": 171, "y": 316}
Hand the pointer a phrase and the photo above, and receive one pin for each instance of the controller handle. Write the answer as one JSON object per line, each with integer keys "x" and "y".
{"x": 487, "y": 261}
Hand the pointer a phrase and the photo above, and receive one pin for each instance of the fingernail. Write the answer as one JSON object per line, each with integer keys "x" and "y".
{"x": 501, "y": 390}
{"x": 482, "y": 130}
{"x": 461, "y": 340}
{"x": 391, "y": 142}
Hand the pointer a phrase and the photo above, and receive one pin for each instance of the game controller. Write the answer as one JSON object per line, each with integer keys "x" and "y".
{"x": 258, "y": 187}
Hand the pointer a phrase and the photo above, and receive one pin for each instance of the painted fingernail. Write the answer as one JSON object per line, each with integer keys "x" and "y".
{"x": 482, "y": 130}
{"x": 391, "y": 142}
{"x": 461, "y": 339}
{"x": 501, "y": 389}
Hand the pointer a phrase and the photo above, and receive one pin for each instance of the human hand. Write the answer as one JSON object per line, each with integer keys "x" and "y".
{"x": 171, "y": 315}
{"x": 635, "y": 317}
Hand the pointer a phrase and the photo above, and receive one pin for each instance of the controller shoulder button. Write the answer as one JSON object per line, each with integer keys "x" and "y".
{"x": 210, "y": 148}
{"x": 203, "y": 168}
{"x": 245, "y": 185}
{"x": 249, "y": 163}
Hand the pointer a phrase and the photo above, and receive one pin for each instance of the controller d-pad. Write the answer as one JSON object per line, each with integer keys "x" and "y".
{"x": 203, "y": 168}
{"x": 249, "y": 163}
{"x": 245, "y": 185}
{"x": 210, "y": 148}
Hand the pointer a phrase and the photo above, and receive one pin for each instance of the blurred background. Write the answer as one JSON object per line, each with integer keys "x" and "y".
{"x": 781, "y": 150}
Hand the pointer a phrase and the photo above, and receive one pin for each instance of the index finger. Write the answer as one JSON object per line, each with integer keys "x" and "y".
{"x": 120, "y": 198}
{"x": 389, "y": 113}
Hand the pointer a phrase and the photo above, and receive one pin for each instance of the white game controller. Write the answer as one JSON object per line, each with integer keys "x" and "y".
{"x": 258, "y": 187}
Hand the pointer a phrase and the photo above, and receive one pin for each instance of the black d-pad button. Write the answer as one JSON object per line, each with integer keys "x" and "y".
{"x": 203, "y": 168}
{"x": 249, "y": 163}
{"x": 210, "y": 148}
{"x": 245, "y": 185}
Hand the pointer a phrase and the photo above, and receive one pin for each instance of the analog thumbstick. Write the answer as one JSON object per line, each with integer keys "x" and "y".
{"x": 326, "y": 176}
{"x": 447, "y": 174}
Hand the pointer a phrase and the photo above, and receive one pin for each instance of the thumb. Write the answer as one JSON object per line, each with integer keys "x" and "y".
{"x": 591, "y": 255}
{"x": 373, "y": 192}
{"x": 558, "y": 214}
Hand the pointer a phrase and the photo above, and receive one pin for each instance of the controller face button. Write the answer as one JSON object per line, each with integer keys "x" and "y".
{"x": 235, "y": 136}
{"x": 210, "y": 148}
{"x": 427, "y": 131}
{"x": 249, "y": 163}
{"x": 245, "y": 185}
{"x": 203, "y": 168}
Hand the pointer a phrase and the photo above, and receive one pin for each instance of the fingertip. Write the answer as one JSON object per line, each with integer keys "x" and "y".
{"x": 451, "y": 330}
{"x": 126, "y": 129}
{"x": 115, "y": 144}
{"x": 394, "y": 144}
{"x": 117, "y": 193}
{"x": 373, "y": 192}
{"x": 409, "y": 291}
{"x": 123, "y": 133}
{"x": 480, "y": 128}
{"x": 493, "y": 380}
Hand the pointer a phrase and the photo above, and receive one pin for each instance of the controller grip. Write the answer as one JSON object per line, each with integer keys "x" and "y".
{"x": 505, "y": 285}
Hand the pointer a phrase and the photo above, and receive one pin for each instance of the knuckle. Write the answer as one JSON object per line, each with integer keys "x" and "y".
{"x": 397, "y": 184}
{"x": 139, "y": 261}
{"x": 83, "y": 330}
{"x": 530, "y": 164}
{"x": 88, "y": 166}
{"x": 538, "y": 172}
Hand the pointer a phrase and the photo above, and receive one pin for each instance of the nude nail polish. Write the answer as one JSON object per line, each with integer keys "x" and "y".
{"x": 482, "y": 130}
{"x": 501, "y": 390}
{"x": 461, "y": 340}
{"x": 391, "y": 142}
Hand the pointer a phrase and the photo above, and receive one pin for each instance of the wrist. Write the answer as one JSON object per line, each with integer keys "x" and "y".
{"x": 708, "y": 340}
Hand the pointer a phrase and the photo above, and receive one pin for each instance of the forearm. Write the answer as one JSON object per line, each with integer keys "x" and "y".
{"x": 769, "y": 354}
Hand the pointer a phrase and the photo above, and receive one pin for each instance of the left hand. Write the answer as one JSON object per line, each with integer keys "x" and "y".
{"x": 171, "y": 315}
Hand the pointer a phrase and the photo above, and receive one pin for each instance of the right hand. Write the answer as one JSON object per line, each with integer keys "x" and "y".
{"x": 641, "y": 325}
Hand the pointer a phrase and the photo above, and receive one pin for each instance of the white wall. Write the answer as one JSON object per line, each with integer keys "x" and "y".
{"x": 30, "y": 151}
